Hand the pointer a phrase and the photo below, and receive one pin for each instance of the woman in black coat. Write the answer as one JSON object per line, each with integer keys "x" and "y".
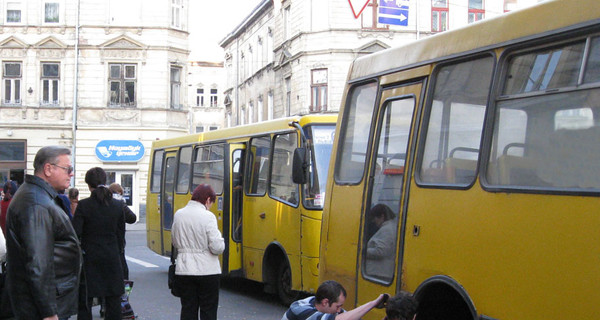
{"x": 98, "y": 221}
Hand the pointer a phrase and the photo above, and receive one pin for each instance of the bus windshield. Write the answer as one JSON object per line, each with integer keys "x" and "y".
{"x": 321, "y": 142}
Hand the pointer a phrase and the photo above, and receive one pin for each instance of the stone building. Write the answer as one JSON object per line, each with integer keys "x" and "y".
{"x": 292, "y": 56}
{"x": 205, "y": 95}
{"x": 103, "y": 77}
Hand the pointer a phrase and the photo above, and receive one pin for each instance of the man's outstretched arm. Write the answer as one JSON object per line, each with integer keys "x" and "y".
{"x": 359, "y": 311}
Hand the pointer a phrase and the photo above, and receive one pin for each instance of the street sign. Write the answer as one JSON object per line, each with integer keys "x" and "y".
{"x": 359, "y": 5}
{"x": 120, "y": 150}
{"x": 393, "y": 12}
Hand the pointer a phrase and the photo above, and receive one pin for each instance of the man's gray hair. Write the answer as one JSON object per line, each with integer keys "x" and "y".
{"x": 48, "y": 154}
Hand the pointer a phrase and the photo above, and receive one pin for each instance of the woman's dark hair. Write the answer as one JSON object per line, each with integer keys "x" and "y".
{"x": 402, "y": 306}
{"x": 381, "y": 210}
{"x": 204, "y": 192}
{"x": 10, "y": 187}
{"x": 96, "y": 178}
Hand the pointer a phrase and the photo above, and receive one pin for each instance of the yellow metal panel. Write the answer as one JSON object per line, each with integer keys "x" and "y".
{"x": 517, "y": 255}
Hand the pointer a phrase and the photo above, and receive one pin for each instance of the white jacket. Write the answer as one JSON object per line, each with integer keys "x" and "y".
{"x": 198, "y": 240}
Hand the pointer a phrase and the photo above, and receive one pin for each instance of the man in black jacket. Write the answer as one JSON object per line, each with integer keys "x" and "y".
{"x": 44, "y": 256}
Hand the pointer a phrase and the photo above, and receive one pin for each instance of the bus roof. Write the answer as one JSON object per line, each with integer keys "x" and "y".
{"x": 545, "y": 18}
{"x": 246, "y": 130}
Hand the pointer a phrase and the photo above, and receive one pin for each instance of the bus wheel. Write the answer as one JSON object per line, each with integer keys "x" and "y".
{"x": 284, "y": 284}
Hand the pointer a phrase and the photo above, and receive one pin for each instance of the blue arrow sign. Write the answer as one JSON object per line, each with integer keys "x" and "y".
{"x": 393, "y": 12}
{"x": 120, "y": 150}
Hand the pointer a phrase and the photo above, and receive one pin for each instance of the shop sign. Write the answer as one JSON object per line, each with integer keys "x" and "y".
{"x": 120, "y": 150}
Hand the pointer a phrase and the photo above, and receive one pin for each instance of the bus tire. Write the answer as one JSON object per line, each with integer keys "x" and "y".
{"x": 284, "y": 284}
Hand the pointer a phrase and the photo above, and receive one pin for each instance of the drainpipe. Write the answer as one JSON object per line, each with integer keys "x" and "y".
{"x": 75, "y": 87}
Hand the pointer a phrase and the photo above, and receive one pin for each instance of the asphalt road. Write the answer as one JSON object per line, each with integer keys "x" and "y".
{"x": 151, "y": 299}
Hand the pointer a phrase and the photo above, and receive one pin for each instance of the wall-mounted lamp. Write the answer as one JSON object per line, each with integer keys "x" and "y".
{"x": 30, "y": 90}
{"x": 9, "y": 133}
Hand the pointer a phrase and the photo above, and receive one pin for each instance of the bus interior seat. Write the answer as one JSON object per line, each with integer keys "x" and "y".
{"x": 460, "y": 170}
{"x": 516, "y": 170}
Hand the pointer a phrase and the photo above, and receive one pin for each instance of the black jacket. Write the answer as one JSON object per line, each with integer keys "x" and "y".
{"x": 43, "y": 253}
{"x": 99, "y": 228}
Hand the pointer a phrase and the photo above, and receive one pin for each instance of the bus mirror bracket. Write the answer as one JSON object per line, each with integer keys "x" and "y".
{"x": 299, "y": 166}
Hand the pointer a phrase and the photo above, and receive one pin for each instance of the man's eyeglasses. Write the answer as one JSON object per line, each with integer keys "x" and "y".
{"x": 68, "y": 169}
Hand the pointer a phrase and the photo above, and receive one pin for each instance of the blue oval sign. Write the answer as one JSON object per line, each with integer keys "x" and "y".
{"x": 120, "y": 150}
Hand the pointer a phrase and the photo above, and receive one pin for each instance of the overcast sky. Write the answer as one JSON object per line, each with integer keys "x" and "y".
{"x": 210, "y": 21}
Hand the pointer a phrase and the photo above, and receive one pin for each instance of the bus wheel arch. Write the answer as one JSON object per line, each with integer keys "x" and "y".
{"x": 441, "y": 297}
{"x": 277, "y": 274}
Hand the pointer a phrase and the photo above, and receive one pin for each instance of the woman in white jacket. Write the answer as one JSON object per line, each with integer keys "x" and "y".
{"x": 198, "y": 242}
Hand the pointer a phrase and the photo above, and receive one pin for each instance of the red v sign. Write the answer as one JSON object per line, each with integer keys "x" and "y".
{"x": 358, "y": 5}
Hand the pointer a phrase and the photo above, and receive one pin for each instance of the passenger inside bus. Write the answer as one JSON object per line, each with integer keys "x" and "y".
{"x": 381, "y": 246}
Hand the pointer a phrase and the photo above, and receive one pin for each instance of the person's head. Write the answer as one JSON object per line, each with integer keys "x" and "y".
{"x": 73, "y": 194}
{"x": 330, "y": 297}
{"x": 96, "y": 180}
{"x": 116, "y": 188}
{"x": 402, "y": 306}
{"x": 205, "y": 195}
{"x": 381, "y": 213}
{"x": 9, "y": 189}
{"x": 53, "y": 164}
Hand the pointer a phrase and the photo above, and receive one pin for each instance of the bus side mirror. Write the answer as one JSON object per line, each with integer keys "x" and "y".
{"x": 299, "y": 166}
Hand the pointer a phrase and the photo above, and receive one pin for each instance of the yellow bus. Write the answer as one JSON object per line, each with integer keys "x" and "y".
{"x": 466, "y": 170}
{"x": 269, "y": 217}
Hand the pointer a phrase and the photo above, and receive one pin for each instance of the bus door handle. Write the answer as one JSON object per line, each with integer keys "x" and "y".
{"x": 262, "y": 215}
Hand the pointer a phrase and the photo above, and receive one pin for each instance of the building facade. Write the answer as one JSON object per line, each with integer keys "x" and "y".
{"x": 103, "y": 77}
{"x": 292, "y": 56}
{"x": 205, "y": 95}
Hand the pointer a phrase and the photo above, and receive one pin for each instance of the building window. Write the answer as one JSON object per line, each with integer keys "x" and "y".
{"x": 51, "y": 13}
{"x": 476, "y": 10}
{"x": 318, "y": 90}
{"x": 176, "y": 13}
{"x": 510, "y": 5}
{"x": 288, "y": 96}
{"x": 11, "y": 76}
{"x": 122, "y": 85}
{"x": 213, "y": 98}
{"x": 439, "y": 15}
{"x": 199, "y": 97}
{"x": 286, "y": 23}
{"x": 13, "y": 12}
{"x": 199, "y": 129}
{"x": 213, "y": 128}
{"x": 50, "y": 82}
{"x": 175, "y": 88}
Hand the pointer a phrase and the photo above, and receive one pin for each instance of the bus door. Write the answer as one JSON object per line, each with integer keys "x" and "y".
{"x": 233, "y": 219}
{"x": 167, "y": 194}
{"x": 384, "y": 211}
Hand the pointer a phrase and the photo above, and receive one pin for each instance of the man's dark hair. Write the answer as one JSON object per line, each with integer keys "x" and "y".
{"x": 329, "y": 290}
{"x": 48, "y": 154}
{"x": 401, "y": 307}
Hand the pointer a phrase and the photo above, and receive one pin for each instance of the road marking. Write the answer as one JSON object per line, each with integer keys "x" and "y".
{"x": 140, "y": 262}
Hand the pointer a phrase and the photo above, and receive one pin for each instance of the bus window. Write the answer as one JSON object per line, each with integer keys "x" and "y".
{"x": 560, "y": 131}
{"x": 455, "y": 122}
{"x": 282, "y": 186}
{"x": 321, "y": 137}
{"x": 354, "y": 134}
{"x": 209, "y": 167}
{"x": 382, "y": 219}
{"x": 183, "y": 170}
{"x": 168, "y": 193}
{"x": 256, "y": 179}
{"x": 156, "y": 170}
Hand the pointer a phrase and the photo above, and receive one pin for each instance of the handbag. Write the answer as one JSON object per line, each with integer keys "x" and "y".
{"x": 172, "y": 277}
